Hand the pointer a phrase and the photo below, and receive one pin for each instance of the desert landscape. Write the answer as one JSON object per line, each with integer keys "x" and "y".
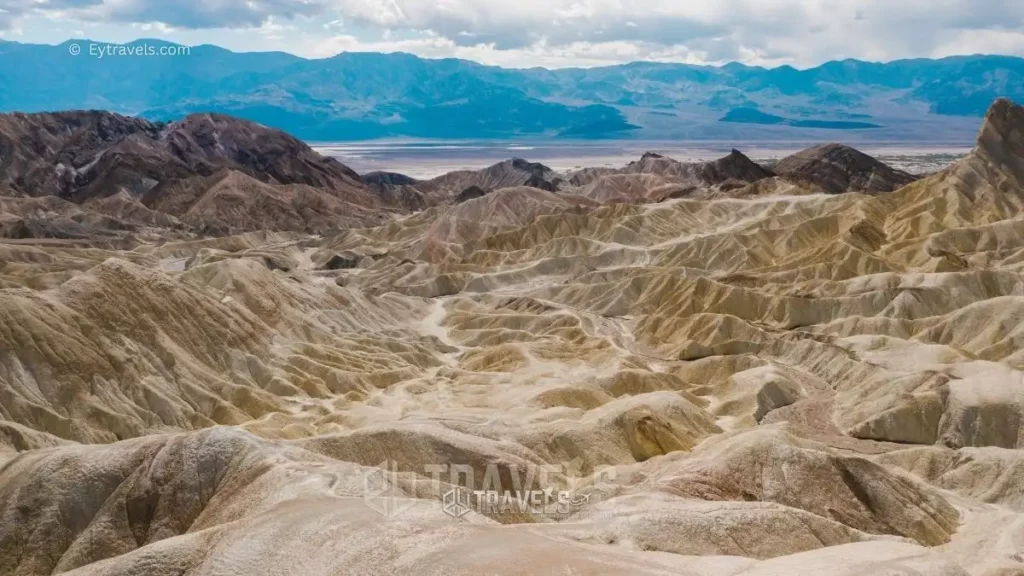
{"x": 223, "y": 353}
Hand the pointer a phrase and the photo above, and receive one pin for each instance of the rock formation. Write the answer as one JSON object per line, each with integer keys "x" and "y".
{"x": 655, "y": 178}
{"x": 735, "y": 166}
{"x": 207, "y": 170}
{"x": 752, "y": 378}
{"x": 471, "y": 193}
{"x": 834, "y": 169}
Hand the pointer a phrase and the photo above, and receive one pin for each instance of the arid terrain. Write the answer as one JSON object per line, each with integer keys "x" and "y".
{"x": 221, "y": 353}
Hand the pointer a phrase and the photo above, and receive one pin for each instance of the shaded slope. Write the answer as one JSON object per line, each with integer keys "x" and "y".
{"x": 88, "y": 156}
{"x": 834, "y": 169}
{"x": 743, "y": 380}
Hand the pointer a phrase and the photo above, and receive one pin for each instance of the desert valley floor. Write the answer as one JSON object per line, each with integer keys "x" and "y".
{"x": 736, "y": 370}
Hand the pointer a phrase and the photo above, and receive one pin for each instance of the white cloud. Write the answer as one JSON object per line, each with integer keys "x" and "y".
{"x": 579, "y": 32}
{"x": 981, "y": 42}
{"x": 158, "y": 27}
{"x": 384, "y": 13}
{"x": 539, "y": 54}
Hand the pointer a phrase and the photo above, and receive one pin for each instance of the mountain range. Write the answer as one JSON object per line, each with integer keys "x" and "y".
{"x": 79, "y": 176}
{"x": 355, "y": 96}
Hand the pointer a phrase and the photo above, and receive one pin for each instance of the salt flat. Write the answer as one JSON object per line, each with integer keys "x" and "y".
{"x": 431, "y": 158}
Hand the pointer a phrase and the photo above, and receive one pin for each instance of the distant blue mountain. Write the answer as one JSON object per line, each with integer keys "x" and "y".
{"x": 368, "y": 95}
{"x": 752, "y": 116}
{"x": 755, "y": 116}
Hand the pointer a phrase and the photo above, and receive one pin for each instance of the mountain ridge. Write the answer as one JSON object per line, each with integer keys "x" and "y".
{"x": 79, "y": 174}
{"x": 366, "y": 95}
{"x": 212, "y": 173}
{"x": 721, "y": 380}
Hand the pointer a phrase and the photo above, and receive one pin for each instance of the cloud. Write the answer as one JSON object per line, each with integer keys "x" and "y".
{"x": 752, "y": 24}
{"x": 585, "y": 32}
{"x": 522, "y": 23}
{"x": 12, "y": 11}
{"x": 207, "y": 13}
{"x": 187, "y": 14}
{"x": 539, "y": 54}
{"x": 767, "y": 32}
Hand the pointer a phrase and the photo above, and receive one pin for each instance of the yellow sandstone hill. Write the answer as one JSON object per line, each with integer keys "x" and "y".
{"x": 743, "y": 379}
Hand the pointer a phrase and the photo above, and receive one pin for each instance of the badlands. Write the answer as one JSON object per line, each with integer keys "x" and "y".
{"x": 222, "y": 354}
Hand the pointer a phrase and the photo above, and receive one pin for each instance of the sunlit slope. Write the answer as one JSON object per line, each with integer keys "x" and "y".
{"x": 772, "y": 381}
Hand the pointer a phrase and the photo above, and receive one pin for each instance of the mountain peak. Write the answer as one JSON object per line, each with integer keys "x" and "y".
{"x": 523, "y": 164}
{"x": 739, "y": 166}
{"x": 837, "y": 168}
{"x": 1001, "y": 138}
{"x": 89, "y": 156}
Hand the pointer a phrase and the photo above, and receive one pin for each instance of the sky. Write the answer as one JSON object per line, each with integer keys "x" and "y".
{"x": 549, "y": 33}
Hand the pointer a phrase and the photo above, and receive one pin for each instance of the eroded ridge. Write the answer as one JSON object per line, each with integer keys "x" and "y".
{"x": 720, "y": 377}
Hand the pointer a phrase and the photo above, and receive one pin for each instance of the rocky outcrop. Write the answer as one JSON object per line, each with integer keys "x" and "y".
{"x": 1001, "y": 141}
{"x": 209, "y": 141}
{"x": 385, "y": 180}
{"x": 470, "y": 193}
{"x": 754, "y": 380}
{"x": 835, "y": 168}
{"x": 734, "y": 166}
{"x": 44, "y": 154}
{"x": 453, "y": 186}
{"x": 700, "y": 175}
{"x": 86, "y": 157}
{"x": 516, "y": 172}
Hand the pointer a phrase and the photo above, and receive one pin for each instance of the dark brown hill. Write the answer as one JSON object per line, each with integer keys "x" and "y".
{"x": 84, "y": 157}
{"x": 835, "y": 168}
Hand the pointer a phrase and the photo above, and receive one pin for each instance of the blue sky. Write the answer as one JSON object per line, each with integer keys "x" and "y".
{"x": 552, "y": 33}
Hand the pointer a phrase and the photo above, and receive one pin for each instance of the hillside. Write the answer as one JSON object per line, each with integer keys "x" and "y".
{"x": 208, "y": 173}
{"x": 705, "y": 369}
